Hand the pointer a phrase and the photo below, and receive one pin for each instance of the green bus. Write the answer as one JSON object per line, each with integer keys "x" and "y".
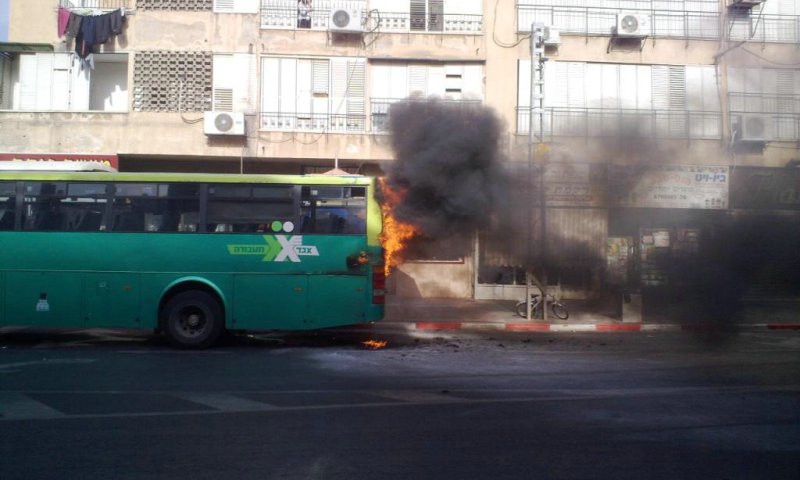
{"x": 190, "y": 255}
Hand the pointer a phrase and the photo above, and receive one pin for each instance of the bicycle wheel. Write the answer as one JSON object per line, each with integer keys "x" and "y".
{"x": 522, "y": 309}
{"x": 560, "y": 311}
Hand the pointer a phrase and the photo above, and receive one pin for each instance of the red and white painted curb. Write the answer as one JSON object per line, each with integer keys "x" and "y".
{"x": 572, "y": 327}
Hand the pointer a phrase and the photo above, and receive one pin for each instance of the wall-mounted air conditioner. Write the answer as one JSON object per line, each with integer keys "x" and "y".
{"x": 552, "y": 36}
{"x": 633, "y": 25}
{"x": 223, "y": 123}
{"x": 752, "y": 127}
{"x": 346, "y": 20}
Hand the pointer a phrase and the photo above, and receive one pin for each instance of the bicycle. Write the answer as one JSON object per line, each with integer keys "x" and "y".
{"x": 556, "y": 308}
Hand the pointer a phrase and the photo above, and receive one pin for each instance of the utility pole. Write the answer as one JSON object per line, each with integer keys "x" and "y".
{"x": 537, "y": 112}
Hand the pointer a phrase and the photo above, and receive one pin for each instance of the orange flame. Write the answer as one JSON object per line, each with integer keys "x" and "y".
{"x": 396, "y": 234}
{"x": 375, "y": 344}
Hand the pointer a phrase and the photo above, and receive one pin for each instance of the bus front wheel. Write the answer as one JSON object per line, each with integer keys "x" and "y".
{"x": 193, "y": 319}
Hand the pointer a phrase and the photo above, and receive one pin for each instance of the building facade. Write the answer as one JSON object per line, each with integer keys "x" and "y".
{"x": 651, "y": 121}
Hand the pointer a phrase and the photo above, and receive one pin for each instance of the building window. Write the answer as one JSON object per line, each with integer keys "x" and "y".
{"x": 598, "y": 99}
{"x": 396, "y": 81}
{"x": 235, "y": 83}
{"x": 167, "y": 81}
{"x": 56, "y": 82}
{"x": 313, "y": 94}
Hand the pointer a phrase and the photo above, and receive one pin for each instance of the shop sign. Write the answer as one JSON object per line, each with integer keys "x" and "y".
{"x": 766, "y": 188}
{"x": 670, "y": 186}
{"x": 575, "y": 185}
{"x": 108, "y": 160}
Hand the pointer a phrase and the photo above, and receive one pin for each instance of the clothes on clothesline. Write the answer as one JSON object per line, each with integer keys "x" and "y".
{"x": 89, "y": 30}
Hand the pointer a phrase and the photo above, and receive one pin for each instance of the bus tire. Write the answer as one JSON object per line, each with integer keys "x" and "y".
{"x": 193, "y": 319}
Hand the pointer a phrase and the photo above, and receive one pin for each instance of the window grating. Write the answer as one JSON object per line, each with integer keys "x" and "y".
{"x": 166, "y": 81}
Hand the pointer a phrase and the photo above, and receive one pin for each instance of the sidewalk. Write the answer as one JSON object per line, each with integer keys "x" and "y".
{"x": 445, "y": 314}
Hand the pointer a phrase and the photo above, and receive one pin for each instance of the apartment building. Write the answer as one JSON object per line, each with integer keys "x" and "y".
{"x": 651, "y": 122}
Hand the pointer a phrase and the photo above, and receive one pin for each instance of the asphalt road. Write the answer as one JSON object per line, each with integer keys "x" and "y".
{"x": 109, "y": 405}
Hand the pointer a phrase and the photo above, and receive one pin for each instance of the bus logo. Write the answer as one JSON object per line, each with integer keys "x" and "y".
{"x": 277, "y": 248}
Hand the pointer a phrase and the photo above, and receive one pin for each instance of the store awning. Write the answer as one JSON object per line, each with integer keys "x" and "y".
{"x": 25, "y": 47}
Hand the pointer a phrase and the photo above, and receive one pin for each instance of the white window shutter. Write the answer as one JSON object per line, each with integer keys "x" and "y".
{"x": 381, "y": 79}
{"x": 472, "y": 82}
{"x": 234, "y": 83}
{"x": 44, "y": 81}
{"x": 304, "y": 88}
{"x": 61, "y": 82}
{"x": 236, "y": 6}
{"x": 287, "y": 95}
{"x": 270, "y": 88}
{"x": 80, "y": 93}
{"x": 26, "y": 98}
{"x": 436, "y": 81}
{"x": 524, "y": 83}
{"x": 660, "y": 87}
{"x": 320, "y": 86}
{"x": 356, "y": 93}
{"x": 418, "y": 81}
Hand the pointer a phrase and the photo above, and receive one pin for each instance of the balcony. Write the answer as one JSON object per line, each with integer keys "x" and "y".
{"x": 586, "y": 21}
{"x": 97, "y": 4}
{"x": 764, "y": 28}
{"x": 285, "y": 17}
{"x": 599, "y": 122}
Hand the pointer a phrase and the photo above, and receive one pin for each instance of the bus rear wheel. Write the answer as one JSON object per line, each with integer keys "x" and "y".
{"x": 192, "y": 319}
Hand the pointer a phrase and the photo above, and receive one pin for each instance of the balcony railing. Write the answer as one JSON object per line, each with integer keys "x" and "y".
{"x": 313, "y": 122}
{"x": 282, "y": 17}
{"x": 336, "y": 123}
{"x": 598, "y": 122}
{"x": 98, "y": 4}
{"x": 381, "y": 106}
{"x": 603, "y": 21}
{"x": 765, "y": 28}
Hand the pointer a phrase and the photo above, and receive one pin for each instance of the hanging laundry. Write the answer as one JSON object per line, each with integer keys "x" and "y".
{"x": 102, "y": 28}
{"x": 63, "y": 20}
{"x": 74, "y": 24}
{"x": 117, "y": 17}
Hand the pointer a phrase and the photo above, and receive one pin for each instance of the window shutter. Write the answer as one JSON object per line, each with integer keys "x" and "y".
{"x": 356, "y": 95}
{"x": 270, "y": 70}
{"x": 660, "y": 87}
{"x": 436, "y": 81}
{"x": 27, "y": 82}
{"x": 418, "y": 12}
{"x": 234, "y": 83}
{"x": 304, "y": 88}
{"x": 472, "y": 82}
{"x": 524, "y": 83}
{"x": 418, "y": 81}
{"x": 320, "y": 86}
{"x": 556, "y": 84}
{"x": 61, "y": 82}
{"x": 44, "y": 81}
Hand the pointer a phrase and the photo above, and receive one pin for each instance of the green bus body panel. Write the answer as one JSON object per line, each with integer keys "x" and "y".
{"x": 101, "y": 279}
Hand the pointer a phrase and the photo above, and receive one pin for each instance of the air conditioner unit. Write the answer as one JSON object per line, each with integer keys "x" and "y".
{"x": 552, "y": 36}
{"x": 753, "y": 127}
{"x": 346, "y": 20}
{"x": 633, "y": 25}
{"x": 223, "y": 123}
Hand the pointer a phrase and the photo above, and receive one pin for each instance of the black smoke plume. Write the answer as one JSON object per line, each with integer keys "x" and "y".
{"x": 450, "y": 170}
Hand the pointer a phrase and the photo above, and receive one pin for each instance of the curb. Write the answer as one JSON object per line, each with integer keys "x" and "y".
{"x": 540, "y": 327}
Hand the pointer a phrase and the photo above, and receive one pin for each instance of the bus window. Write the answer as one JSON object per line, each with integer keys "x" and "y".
{"x": 8, "y": 205}
{"x": 152, "y": 207}
{"x": 333, "y": 210}
{"x": 63, "y": 206}
{"x": 250, "y": 208}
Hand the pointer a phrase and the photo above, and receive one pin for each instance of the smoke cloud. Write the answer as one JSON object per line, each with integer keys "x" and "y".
{"x": 449, "y": 166}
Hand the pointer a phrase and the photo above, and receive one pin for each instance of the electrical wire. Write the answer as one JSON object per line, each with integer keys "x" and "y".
{"x": 494, "y": 32}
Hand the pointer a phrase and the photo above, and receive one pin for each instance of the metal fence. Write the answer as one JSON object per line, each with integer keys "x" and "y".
{"x": 313, "y": 122}
{"x": 765, "y": 28}
{"x": 600, "y": 122}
